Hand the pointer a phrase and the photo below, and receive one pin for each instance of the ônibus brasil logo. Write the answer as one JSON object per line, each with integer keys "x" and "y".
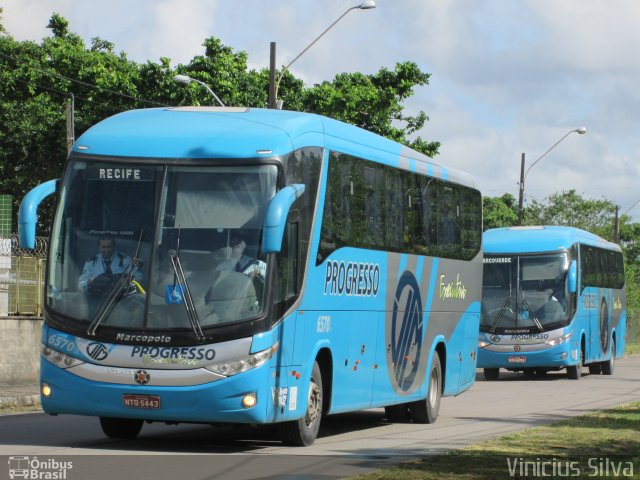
{"x": 406, "y": 332}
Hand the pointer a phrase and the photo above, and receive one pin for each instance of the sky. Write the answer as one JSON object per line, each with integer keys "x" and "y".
{"x": 507, "y": 77}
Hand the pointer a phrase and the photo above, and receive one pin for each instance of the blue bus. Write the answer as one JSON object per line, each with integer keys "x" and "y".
{"x": 363, "y": 287}
{"x": 552, "y": 298}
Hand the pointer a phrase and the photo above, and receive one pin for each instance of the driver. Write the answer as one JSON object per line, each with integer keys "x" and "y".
{"x": 99, "y": 271}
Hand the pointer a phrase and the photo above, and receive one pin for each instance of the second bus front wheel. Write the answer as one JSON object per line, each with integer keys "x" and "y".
{"x": 491, "y": 373}
{"x": 426, "y": 411}
{"x": 303, "y": 432}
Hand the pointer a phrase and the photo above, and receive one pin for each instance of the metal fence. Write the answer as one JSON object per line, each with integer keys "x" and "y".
{"x": 21, "y": 277}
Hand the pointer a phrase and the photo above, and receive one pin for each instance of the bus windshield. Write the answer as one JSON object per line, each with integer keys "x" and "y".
{"x": 159, "y": 247}
{"x": 524, "y": 293}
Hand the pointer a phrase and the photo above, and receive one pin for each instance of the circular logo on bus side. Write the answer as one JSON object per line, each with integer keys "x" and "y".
{"x": 604, "y": 326}
{"x": 404, "y": 334}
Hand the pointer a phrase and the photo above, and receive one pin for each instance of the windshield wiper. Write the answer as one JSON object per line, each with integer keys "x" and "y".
{"x": 500, "y": 315}
{"x": 187, "y": 299}
{"x": 115, "y": 292}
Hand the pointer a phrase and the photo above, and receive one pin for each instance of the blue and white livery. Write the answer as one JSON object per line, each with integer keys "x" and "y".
{"x": 369, "y": 295}
{"x": 552, "y": 298}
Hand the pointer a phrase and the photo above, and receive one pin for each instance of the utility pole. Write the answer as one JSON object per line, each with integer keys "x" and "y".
{"x": 272, "y": 75}
{"x": 521, "y": 192}
{"x": 70, "y": 123}
{"x": 616, "y": 226}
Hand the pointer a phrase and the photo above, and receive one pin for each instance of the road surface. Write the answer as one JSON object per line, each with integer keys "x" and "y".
{"x": 349, "y": 444}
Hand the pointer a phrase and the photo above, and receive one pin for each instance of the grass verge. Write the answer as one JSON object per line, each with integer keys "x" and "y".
{"x": 632, "y": 348}
{"x": 604, "y": 444}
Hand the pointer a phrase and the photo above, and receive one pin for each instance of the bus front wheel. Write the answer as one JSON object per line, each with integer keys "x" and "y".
{"x": 575, "y": 371}
{"x": 303, "y": 432}
{"x": 426, "y": 411}
{"x": 121, "y": 428}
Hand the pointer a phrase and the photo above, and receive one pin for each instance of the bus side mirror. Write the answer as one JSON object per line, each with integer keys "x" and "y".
{"x": 27, "y": 216}
{"x": 276, "y": 217}
{"x": 572, "y": 279}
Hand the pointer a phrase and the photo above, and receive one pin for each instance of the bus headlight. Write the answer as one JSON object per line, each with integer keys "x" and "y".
{"x": 559, "y": 340}
{"x": 242, "y": 364}
{"x": 59, "y": 359}
{"x": 483, "y": 341}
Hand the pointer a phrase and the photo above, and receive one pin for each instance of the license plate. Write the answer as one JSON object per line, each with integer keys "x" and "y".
{"x": 141, "y": 401}
{"x": 517, "y": 359}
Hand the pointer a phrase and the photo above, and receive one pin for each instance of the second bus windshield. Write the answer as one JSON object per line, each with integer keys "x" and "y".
{"x": 527, "y": 293}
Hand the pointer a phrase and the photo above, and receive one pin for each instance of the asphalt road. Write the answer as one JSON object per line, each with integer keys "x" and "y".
{"x": 348, "y": 444}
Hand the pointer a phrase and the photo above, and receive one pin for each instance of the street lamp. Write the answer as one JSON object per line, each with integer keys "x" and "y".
{"x": 185, "y": 80}
{"x": 523, "y": 174}
{"x": 366, "y": 5}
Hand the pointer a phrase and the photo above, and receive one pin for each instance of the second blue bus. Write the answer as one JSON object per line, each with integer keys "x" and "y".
{"x": 553, "y": 297}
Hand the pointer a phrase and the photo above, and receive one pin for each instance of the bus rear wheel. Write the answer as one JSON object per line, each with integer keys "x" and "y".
{"x": 595, "y": 368}
{"x": 122, "y": 428}
{"x": 491, "y": 373}
{"x": 397, "y": 413}
{"x": 426, "y": 411}
{"x": 609, "y": 365}
{"x": 303, "y": 432}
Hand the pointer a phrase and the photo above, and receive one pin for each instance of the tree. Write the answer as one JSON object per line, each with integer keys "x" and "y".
{"x": 571, "y": 209}
{"x": 373, "y": 102}
{"x": 36, "y": 81}
{"x": 499, "y": 211}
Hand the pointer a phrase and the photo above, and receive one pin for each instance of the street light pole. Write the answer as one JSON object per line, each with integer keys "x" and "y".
{"x": 186, "y": 80}
{"x": 273, "y": 101}
{"x": 523, "y": 173}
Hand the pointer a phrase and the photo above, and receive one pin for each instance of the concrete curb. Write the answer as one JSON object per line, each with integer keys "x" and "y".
{"x": 23, "y": 401}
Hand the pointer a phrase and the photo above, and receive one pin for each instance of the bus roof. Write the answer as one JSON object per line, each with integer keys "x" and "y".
{"x": 234, "y": 132}
{"x": 539, "y": 239}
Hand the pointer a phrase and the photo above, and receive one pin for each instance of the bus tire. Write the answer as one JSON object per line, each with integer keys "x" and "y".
{"x": 608, "y": 366}
{"x": 491, "y": 373}
{"x": 397, "y": 413}
{"x": 426, "y": 411}
{"x": 575, "y": 371}
{"x": 303, "y": 432}
{"x": 595, "y": 368}
{"x": 122, "y": 428}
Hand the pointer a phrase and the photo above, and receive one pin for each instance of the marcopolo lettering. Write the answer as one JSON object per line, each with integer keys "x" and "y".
{"x": 354, "y": 279}
{"x": 125, "y": 337}
{"x": 185, "y": 353}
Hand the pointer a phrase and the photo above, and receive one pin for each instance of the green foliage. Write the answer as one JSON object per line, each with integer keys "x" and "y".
{"x": 37, "y": 80}
{"x": 570, "y": 209}
{"x": 499, "y": 211}
{"x": 373, "y": 102}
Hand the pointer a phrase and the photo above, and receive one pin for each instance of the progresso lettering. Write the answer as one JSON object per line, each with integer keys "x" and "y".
{"x": 354, "y": 279}
{"x": 182, "y": 353}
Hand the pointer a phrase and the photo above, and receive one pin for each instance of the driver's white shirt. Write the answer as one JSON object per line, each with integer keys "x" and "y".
{"x": 97, "y": 265}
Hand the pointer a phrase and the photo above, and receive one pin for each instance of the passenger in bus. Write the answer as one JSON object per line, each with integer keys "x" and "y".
{"x": 237, "y": 261}
{"x": 101, "y": 270}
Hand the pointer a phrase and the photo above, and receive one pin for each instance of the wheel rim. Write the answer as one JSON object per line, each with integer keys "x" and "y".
{"x": 314, "y": 404}
{"x": 434, "y": 387}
